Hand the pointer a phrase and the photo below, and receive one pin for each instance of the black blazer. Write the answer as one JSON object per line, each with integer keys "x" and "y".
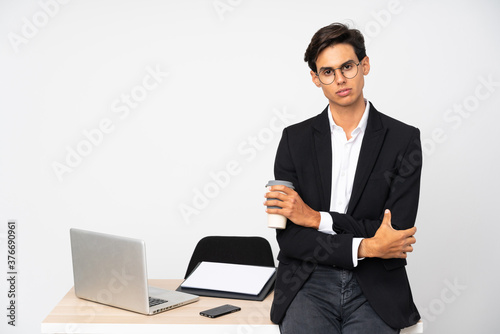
{"x": 387, "y": 177}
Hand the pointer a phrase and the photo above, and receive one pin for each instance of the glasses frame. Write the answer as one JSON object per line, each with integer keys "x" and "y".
{"x": 341, "y": 71}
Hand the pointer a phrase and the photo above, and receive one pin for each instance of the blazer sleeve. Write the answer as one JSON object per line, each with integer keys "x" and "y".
{"x": 404, "y": 189}
{"x": 302, "y": 243}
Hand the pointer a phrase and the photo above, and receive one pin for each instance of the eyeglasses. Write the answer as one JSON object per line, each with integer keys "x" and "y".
{"x": 349, "y": 70}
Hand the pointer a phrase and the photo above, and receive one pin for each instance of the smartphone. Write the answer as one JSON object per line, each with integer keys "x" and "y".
{"x": 221, "y": 310}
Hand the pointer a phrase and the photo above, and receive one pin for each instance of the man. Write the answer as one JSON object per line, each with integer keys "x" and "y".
{"x": 356, "y": 174}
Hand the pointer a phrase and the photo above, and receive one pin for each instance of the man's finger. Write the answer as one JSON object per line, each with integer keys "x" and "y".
{"x": 280, "y": 187}
{"x": 273, "y": 202}
{"x": 410, "y": 232}
{"x": 387, "y": 218}
{"x": 274, "y": 211}
{"x": 411, "y": 240}
{"x": 275, "y": 194}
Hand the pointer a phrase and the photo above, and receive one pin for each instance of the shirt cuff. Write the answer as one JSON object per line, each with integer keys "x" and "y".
{"x": 355, "y": 246}
{"x": 326, "y": 223}
{"x": 326, "y": 226}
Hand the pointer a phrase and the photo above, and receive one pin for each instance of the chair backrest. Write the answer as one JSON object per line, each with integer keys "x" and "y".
{"x": 228, "y": 249}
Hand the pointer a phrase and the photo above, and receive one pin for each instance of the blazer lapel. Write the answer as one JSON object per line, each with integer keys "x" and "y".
{"x": 370, "y": 148}
{"x": 323, "y": 150}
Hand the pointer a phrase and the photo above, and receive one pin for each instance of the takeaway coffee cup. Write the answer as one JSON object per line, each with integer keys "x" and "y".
{"x": 275, "y": 220}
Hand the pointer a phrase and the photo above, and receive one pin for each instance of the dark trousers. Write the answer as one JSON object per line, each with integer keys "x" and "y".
{"x": 331, "y": 301}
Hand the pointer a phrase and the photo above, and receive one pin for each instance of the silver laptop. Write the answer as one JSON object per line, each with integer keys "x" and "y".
{"x": 111, "y": 270}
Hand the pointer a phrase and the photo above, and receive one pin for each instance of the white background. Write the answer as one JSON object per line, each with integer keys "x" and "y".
{"x": 233, "y": 66}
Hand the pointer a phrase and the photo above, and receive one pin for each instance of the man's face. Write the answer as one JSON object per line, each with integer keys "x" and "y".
{"x": 342, "y": 92}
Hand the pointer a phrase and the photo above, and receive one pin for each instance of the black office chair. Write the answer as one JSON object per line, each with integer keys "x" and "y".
{"x": 237, "y": 250}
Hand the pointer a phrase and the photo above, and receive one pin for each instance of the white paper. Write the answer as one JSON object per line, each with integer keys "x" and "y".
{"x": 229, "y": 277}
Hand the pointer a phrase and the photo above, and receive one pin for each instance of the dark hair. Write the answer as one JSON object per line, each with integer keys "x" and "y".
{"x": 331, "y": 35}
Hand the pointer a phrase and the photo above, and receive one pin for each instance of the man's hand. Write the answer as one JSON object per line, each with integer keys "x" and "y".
{"x": 292, "y": 206}
{"x": 388, "y": 243}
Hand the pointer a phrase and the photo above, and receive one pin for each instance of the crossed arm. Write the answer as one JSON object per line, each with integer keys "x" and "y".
{"x": 383, "y": 238}
{"x": 387, "y": 243}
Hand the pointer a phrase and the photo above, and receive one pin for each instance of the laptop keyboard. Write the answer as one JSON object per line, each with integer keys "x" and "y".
{"x": 156, "y": 301}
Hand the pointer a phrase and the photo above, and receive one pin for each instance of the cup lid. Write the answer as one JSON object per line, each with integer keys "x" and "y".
{"x": 278, "y": 182}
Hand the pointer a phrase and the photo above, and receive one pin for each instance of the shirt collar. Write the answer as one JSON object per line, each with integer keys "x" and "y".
{"x": 362, "y": 122}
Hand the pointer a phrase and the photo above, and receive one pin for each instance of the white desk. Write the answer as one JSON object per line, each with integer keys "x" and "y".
{"x": 75, "y": 315}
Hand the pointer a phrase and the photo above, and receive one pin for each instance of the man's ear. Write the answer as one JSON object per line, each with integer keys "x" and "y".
{"x": 315, "y": 79}
{"x": 366, "y": 65}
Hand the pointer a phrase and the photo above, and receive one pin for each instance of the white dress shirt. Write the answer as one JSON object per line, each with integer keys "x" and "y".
{"x": 345, "y": 154}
